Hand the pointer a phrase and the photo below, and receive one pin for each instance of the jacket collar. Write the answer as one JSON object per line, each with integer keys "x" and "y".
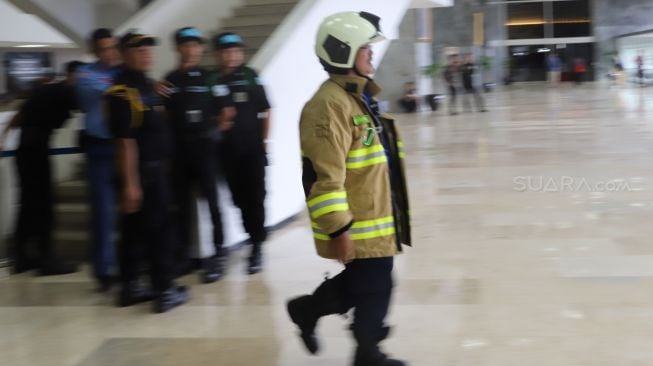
{"x": 356, "y": 84}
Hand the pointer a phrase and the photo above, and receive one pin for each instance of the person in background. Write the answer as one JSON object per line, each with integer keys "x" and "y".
{"x": 193, "y": 110}
{"x": 554, "y": 67}
{"x": 355, "y": 189}
{"x": 409, "y": 100}
{"x": 639, "y": 61}
{"x": 136, "y": 116}
{"x": 580, "y": 68}
{"x": 467, "y": 72}
{"x": 93, "y": 80}
{"x": 451, "y": 75}
{"x": 244, "y": 146}
{"x": 46, "y": 110}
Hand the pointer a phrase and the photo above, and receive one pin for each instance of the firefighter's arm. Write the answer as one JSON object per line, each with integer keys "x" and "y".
{"x": 326, "y": 138}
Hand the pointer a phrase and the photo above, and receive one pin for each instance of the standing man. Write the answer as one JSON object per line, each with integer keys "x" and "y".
{"x": 451, "y": 76}
{"x": 243, "y": 149}
{"x": 94, "y": 80}
{"x": 193, "y": 110}
{"x": 467, "y": 72}
{"x": 137, "y": 120}
{"x": 355, "y": 187}
{"x": 554, "y": 66}
{"x": 47, "y": 108}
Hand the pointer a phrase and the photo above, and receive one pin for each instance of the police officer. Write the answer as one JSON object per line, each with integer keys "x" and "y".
{"x": 355, "y": 186}
{"x": 194, "y": 110}
{"x": 136, "y": 118}
{"x": 47, "y": 108}
{"x": 243, "y": 150}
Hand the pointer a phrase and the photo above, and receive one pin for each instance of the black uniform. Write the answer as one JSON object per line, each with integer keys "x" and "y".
{"x": 192, "y": 107}
{"x": 242, "y": 150}
{"x": 136, "y": 112}
{"x": 46, "y": 110}
{"x": 467, "y": 72}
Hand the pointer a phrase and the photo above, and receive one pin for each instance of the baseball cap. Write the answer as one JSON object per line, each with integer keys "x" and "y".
{"x": 133, "y": 40}
{"x": 188, "y": 34}
{"x": 228, "y": 40}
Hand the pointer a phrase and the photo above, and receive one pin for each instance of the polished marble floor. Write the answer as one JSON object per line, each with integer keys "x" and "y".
{"x": 533, "y": 226}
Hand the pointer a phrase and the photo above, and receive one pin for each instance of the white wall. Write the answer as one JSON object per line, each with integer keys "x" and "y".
{"x": 163, "y": 17}
{"x": 78, "y": 15}
{"x": 17, "y": 27}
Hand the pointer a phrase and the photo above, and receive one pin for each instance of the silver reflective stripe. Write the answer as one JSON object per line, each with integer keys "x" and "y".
{"x": 197, "y": 89}
{"x": 370, "y": 229}
{"x": 366, "y": 157}
{"x": 335, "y": 201}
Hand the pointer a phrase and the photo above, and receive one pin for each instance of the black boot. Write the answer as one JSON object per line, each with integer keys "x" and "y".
{"x": 170, "y": 299}
{"x": 133, "y": 293}
{"x": 255, "y": 264}
{"x": 54, "y": 268}
{"x": 305, "y": 311}
{"x": 105, "y": 283}
{"x": 213, "y": 268}
{"x": 368, "y": 352}
{"x": 22, "y": 265}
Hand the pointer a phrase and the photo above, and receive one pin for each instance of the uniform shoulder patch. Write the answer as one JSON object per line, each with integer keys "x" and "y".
{"x": 220, "y": 90}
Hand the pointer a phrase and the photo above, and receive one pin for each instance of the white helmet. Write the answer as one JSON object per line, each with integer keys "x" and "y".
{"x": 341, "y": 35}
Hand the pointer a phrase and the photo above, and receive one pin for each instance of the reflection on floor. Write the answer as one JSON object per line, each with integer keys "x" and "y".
{"x": 533, "y": 247}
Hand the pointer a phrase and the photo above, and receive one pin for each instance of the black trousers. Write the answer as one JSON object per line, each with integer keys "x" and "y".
{"x": 453, "y": 93}
{"x": 146, "y": 234}
{"x": 478, "y": 99}
{"x": 35, "y": 216}
{"x": 366, "y": 286}
{"x": 244, "y": 170}
{"x": 195, "y": 167}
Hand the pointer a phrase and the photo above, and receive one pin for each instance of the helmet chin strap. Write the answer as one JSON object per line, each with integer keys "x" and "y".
{"x": 360, "y": 73}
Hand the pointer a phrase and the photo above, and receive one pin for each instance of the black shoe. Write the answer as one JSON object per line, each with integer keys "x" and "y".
{"x": 255, "y": 264}
{"x": 368, "y": 352}
{"x": 134, "y": 293}
{"x": 23, "y": 265}
{"x": 302, "y": 313}
{"x": 483, "y": 110}
{"x": 213, "y": 268}
{"x": 57, "y": 268}
{"x": 170, "y": 299}
{"x": 105, "y": 283}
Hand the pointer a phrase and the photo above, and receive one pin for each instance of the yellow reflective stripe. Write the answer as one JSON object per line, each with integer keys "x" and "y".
{"x": 327, "y": 203}
{"x": 373, "y": 234}
{"x": 362, "y": 230}
{"x": 341, "y": 207}
{"x": 326, "y": 197}
{"x": 400, "y": 145}
{"x": 402, "y": 154}
{"x": 367, "y": 151}
{"x": 366, "y": 163}
{"x": 318, "y": 233}
{"x": 375, "y": 222}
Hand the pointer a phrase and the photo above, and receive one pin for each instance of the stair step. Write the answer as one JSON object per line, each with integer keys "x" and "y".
{"x": 71, "y": 192}
{"x": 72, "y": 246}
{"x": 270, "y": 2}
{"x": 72, "y": 215}
{"x": 251, "y": 10}
{"x": 252, "y": 31}
{"x": 256, "y": 20}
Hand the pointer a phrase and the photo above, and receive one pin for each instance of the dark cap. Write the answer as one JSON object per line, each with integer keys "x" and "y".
{"x": 188, "y": 34}
{"x": 228, "y": 40}
{"x": 132, "y": 40}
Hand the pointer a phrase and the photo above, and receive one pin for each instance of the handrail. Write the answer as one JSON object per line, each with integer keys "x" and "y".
{"x": 51, "y": 152}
